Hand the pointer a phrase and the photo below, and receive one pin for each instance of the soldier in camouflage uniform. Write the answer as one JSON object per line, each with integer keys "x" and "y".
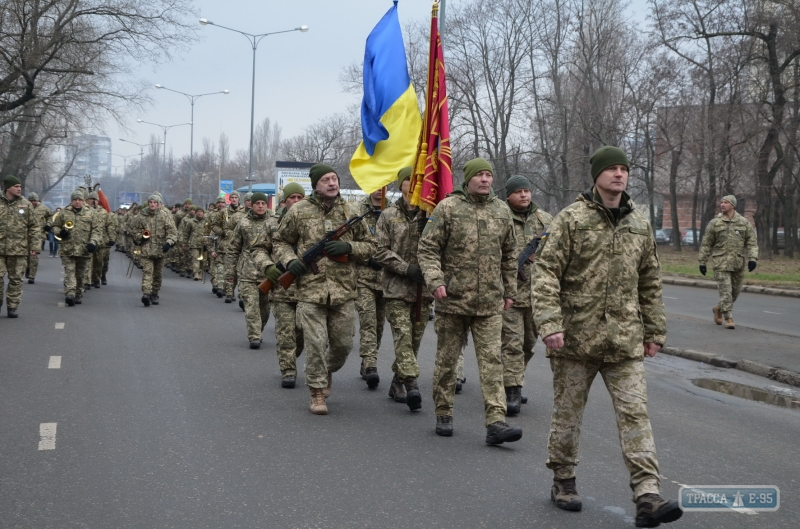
{"x": 78, "y": 243}
{"x": 43, "y": 216}
{"x": 519, "y": 331}
{"x": 177, "y": 256}
{"x": 235, "y": 213}
{"x": 370, "y": 303}
{"x": 729, "y": 238}
{"x": 250, "y": 246}
{"x": 597, "y": 302}
{"x": 105, "y": 231}
{"x": 467, "y": 257}
{"x": 214, "y": 230}
{"x": 325, "y": 308}
{"x": 192, "y": 237}
{"x": 20, "y": 237}
{"x": 288, "y": 336}
{"x": 397, "y": 235}
{"x": 112, "y": 231}
{"x": 163, "y": 236}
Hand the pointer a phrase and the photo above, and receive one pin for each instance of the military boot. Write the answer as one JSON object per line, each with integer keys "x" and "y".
{"x": 397, "y": 391}
{"x": 413, "y": 397}
{"x": 652, "y": 510}
{"x": 228, "y": 299}
{"x": 513, "y": 400}
{"x": 717, "y": 315}
{"x": 288, "y": 381}
{"x": 241, "y": 304}
{"x": 154, "y": 298}
{"x": 255, "y": 344}
{"x": 327, "y": 391}
{"x": 459, "y": 385}
{"x": 103, "y": 280}
{"x": 372, "y": 377}
{"x": 729, "y": 323}
{"x": 31, "y": 281}
{"x": 220, "y": 293}
{"x": 564, "y": 494}
{"x": 70, "y": 301}
{"x": 96, "y": 284}
{"x": 499, "y": 432}
{"x": 318, "y": 406}
{"x": 444, "y": 425}
{"x": 12, "y": 313}
{"x": 78, "y": 299}
{"x": 146, "y": 300}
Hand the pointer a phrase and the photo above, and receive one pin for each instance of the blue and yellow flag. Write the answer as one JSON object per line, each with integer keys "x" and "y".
{"x": 390, "y": 117}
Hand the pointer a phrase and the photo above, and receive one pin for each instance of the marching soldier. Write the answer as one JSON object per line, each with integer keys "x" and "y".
{"x": 288, "y": 336}
{"x": 467, "y": 257}
{"x": 325, "y": 308}
{"x": 111, "y": 230}
{"x": 105, "y": 232}
{"x": 43, "y": 216}
{"x": 519, "y": 331}
{"x": 250, "y": 249}
{"x": 75, "y": 226}
{"x": 193, "y": 234}
{"x": 370, "y": 302}
{"x": 729, "y": 239}
{"x": 597, "y": 302}
{"x": 235, "y": 213}
{"x": 154, "y": 230}
{"x": 19, "y": 240}
{"x": 397, "y": 233}
{"x": 217, "y": 264}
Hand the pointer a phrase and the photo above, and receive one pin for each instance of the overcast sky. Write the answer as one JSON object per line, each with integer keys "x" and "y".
{"x": 296, "y": 73}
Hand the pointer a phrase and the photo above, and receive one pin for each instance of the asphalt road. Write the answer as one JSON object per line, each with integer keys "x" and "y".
{"x": 164, "y": 418}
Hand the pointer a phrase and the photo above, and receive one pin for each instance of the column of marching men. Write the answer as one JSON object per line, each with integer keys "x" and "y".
{"x": 591, "y": 289}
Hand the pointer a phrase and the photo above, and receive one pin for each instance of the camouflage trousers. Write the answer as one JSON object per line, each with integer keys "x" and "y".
{"x": 32, "y": 266}
{"x": 14, "y": 266}
{"x": 729, "y": 285}
{"x": 288, "y": 336}
{"x": 106, "y": 259}
{"x": 152, "y": 270}
{"x": 256, "y": 309}
{"x": 98, "y": 260}
{"x": 326, "y": 326}
{"x": 219, "y": 274}
{"x": 519, "y": 337}
{"x": 451, "y": 331}
{"x": 197, "y": 266}
{"x": 74, "y": 272}
{"x": 212, "y": 270}
{"x": 185, "y": 264}
{"x": 407, "y": 335}
{"x": 371, "y": 307}
{"x": 231, "y": 280}
{"x": 626, "y": 384}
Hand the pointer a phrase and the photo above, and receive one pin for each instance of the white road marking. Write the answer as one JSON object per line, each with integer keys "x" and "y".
{"x": 667, "y": 297}
{"x": 776, "y": 313}
{"x": 59, "y": 325}
{"x": 55, "y": 362}
{"x": 60, "y": 304}
{"x": 47, "y": 436}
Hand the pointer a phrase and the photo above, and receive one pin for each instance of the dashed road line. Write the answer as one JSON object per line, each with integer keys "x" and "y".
{"x": 59, "y": 325}
{"x": 54, "y": 363}
{"x": 47, "y": 436}
{"x": 776, "y": 313}
{"x": 60, "y": 304}
{"x": 667, "y": 297}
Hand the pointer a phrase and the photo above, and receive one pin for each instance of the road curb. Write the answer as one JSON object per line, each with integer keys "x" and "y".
{"x": 777, "y": 374}
{"x": 700, "y": 283}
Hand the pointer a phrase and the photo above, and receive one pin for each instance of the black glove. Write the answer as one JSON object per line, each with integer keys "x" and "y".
{"x": 64, "y": 234}
{"x": 415, "y": 273}
{"x": 111, "y": 243}
{"x": 337, "y": 248}
{"x": 421, "y": 223}
{"x": 751, "y": 265}
{"x": 167, "y": 246}
{"x": 703, "y": 269}
{"x": 90, "y": 247}
{"x": 47, "y": 228}
{"x": 373, "y": 264}
{"x": 296, "y": 267}
{"x": 273, "y": 274}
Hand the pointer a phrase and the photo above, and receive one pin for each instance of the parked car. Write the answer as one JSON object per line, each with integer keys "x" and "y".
{"x": 664, "y": 236}
{"x": 689, "y": 237}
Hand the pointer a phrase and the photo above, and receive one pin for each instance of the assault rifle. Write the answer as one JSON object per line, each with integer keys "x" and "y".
{"x": 317, "y": 252}
{"x": 527, "y": 253}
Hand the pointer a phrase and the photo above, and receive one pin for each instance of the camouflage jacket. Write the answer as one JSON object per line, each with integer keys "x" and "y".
{"x": 468, "y": 247}
{"x": 599, "y": 282}
{"x": 278, "y": 293}
{"x": 397, "y": 236}
{"x": 251, "y": 247}
{"x": 113, "y": 227}
{"x": 729, "y": 242}
{"x": 20, "y": 231}
{"x": 83, "y": 231}
{"x": 102, "y": 224}
{"x": 177, "y": 218}
{"x": 366, "y": 276}
{"x": 527, "y": 225}
{"x": 191, "y": 233}
{"x": 234, "y": 216}
{"x": 304, "y": 225}
{"x": 43, "y": 216}
{"x": 161, "y": 227}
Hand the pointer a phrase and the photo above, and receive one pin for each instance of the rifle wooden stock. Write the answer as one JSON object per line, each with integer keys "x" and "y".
{"x": 286, "y": 280}
{"x": 265, "y": 286}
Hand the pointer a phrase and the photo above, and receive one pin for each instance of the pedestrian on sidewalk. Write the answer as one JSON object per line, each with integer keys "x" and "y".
{"x": 729, "y": 239}
{"x": 597, "y": 302}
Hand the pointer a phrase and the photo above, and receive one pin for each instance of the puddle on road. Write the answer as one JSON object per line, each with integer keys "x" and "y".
{"x": 749, "y": 392}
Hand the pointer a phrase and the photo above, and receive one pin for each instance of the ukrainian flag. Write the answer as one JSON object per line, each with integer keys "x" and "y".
{"x": 390, "y": 117}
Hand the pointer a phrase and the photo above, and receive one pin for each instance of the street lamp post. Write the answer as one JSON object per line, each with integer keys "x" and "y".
{"x": 254, "y": 40}
{"x": 164, "y": 157}
{"x": 192, "y": 99}
{"x": 141, "y": 153}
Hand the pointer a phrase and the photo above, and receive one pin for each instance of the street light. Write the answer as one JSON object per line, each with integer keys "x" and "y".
{"x": 164, "y": 157}
{"x": 254, "y": 40}
{"x": 192, "y": 99}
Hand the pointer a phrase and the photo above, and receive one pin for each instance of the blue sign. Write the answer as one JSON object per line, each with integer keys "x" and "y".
{"x": 226, "y": 186}
{"x": 730, "y": 498}
{"x": 128, "y": 197}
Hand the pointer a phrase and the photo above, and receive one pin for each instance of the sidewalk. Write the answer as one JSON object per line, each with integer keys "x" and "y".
{"x": 704, "y": 283}
{"x": 772, "y": 355}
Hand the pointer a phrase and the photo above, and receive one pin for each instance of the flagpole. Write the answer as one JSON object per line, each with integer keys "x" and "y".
{"x": 442, "y": 4}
